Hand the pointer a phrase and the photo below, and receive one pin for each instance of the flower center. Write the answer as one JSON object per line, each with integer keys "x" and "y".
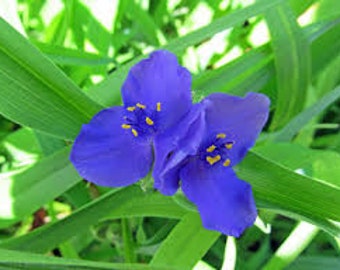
{"x": 140, "y": 119}
{"x": 216, "y": 150}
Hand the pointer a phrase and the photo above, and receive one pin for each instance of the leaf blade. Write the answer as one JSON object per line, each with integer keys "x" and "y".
{"x": 292, "y": 61}
{"x": 190, "y": 234}
{"x": 35, "y": 93}
{"x": 114, "y": 204}
{"x": 102, "y": 93}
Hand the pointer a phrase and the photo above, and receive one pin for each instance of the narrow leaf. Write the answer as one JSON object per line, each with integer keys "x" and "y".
{"x": 21, "y": 260}
{"x": 23, "y": 192}
{"x": 186, "y": 244}
{"x": 248, "y": 73}
{"x": 107, "y": 93}
{"x": 298, "y": 122}
{"x": 292, "y": 62}
{"x": 35, "y": 93}
{"x": 115, "y": 204}
{"x": 283, "y": 190}
{"x": 315, "y": 262}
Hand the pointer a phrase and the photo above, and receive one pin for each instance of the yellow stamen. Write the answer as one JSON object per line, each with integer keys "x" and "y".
{"x": 158, "y": 106}
{"x": 141, "y": 106}
{"x": 227, "y": 162}
{"x": 221, "y": 136}
{"x": 131, "y": 108}
{"x": 126, "y": 126}
{"x": 149, "y": 121}
{"x": 213, "y": 160}
{"x": 211, "y": 148}
{"x": 134, "y": 132}
{"x": 228, "y": 145}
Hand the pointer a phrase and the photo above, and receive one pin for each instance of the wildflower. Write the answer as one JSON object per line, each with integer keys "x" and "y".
{"x": 229, "y": 126}
{"x": 116, "y": 147}
{"x": 195, "y": 145}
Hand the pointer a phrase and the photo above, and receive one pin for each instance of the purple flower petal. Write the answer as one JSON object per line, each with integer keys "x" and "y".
{"x": 224, "y": 202}
{"x": 240, "y": 119}
{"x": 159, "y": 80}
{"x": 106, "y": 154}
{"x": 173, "y": 147}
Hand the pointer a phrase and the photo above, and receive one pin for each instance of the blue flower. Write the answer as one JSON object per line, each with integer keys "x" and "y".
{"x": 224, "y": 129}
{"x": 116, "y": 147}
{"x": 192, "y": 145}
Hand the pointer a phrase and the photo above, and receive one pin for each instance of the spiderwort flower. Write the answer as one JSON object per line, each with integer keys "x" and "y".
{"x": 115, "y": 148}
{"x": 229, "y": 126}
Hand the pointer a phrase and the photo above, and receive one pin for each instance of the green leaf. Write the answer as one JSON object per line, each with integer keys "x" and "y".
{"x": 319, "y": 164}
{"x": 284, "y": 191}
{"x": 248, "y": 73}
{"x": 23, "y": 192}
{"x": 49, "y": 144}
{"x": 276, "y": 187}
{"x": 147, "y": 205}
{"x": 118, "y": 203}
{"x": 299, "y": 6}
{"x": 145, "y": 24}
{"x": 292, "y": 62}
{"x": 77, "y": 22}
{"x": 186, "y": 244}
{"x": 105, "y": 94}
{"x": 298, "y": 122}
{"x": 329, "y": 78}
{"x": 315, "y": 262}
{"x": 220, "y": 24}
{"x": 96, "y": 33}
{"x": 35, "y": 93}
{"x": 326, "y": 47}
{"x": 22, "y": 146}
{"x": 253, "y": 70}
{"x": 65, "y": 56}
{"x": 56, "y": 31}
{"x": 331, "y": 142}
{"x": 20, "y": 260}
{"x": 326, "y": 10}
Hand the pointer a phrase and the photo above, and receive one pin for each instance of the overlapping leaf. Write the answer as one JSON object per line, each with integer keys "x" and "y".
{"x": 35, "y": 93}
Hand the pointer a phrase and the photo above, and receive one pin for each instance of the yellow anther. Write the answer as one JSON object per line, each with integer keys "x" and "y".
{"x": 226, "y": 163}
{"x": 141, "y": 106}
{"x": 134, "y": 132}
{"x": 149, "y": 121}
{"x": 213, "y": 160}
{"x": 228, "y": 145}
{"x": 211, "y": 148}
{"x": 131, "y": 108}
{"x": 126, "y": 126}
{"x": 221, "y": 136}
{"x": 158, "y": 106}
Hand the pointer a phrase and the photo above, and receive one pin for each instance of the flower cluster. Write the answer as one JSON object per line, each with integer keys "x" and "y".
{"x": 193, "y": 146}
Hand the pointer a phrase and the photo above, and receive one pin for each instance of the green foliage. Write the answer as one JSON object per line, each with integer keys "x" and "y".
{"x": 70, "y": 61}
{"x": 292, "y": 58}
{"x": 37, "y": 94}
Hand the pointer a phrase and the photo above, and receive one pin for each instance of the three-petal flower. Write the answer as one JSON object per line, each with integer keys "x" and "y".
{"x": 192, "y": 145}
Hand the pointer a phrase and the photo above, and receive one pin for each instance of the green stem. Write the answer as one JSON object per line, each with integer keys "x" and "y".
{"x": 129, "y": 254}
